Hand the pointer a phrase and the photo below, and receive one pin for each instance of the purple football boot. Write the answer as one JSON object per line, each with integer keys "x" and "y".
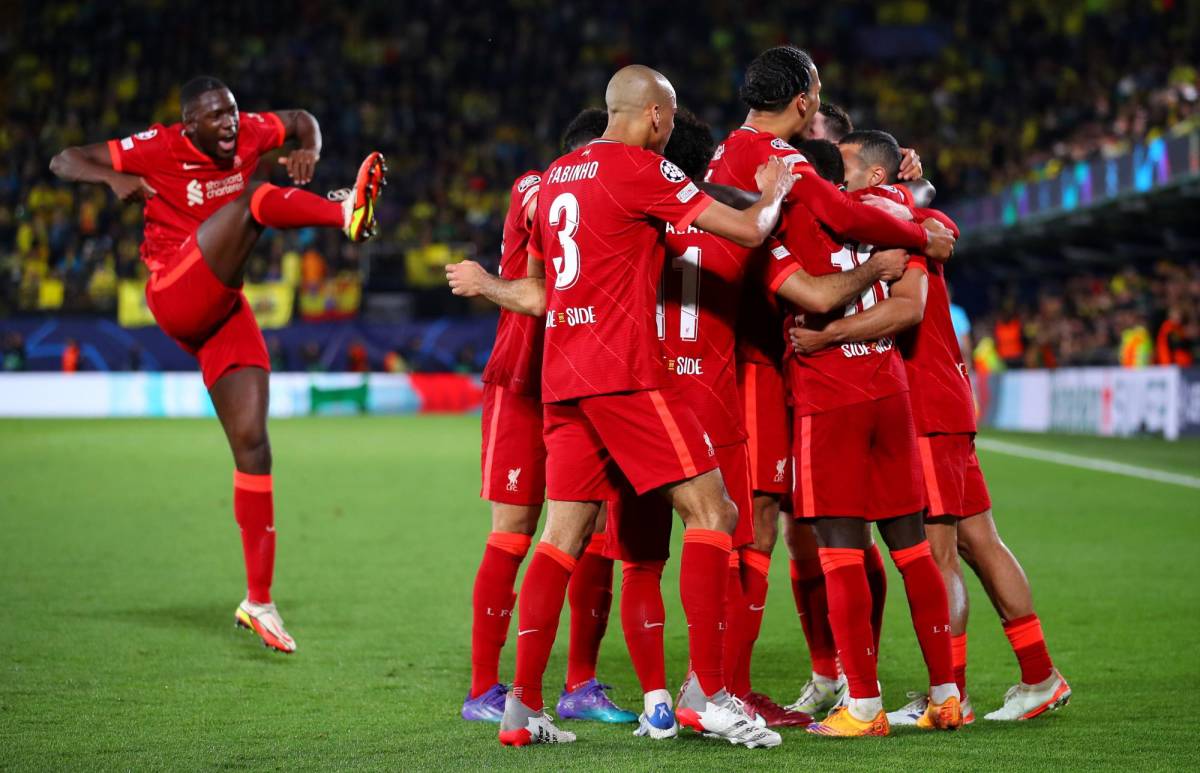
{"x": 488, "y": 707}
{"x": 590, "y": 701}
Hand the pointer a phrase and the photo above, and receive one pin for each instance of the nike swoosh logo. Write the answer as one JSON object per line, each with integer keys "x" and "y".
{"x": 648, "y": 624}
{"x": 189, "y": 167}
{"x": 522, "y": 633}
{"x": 757, "y": 609}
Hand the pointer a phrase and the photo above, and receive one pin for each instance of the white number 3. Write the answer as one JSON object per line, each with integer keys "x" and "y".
{"x": 565, "y": 211}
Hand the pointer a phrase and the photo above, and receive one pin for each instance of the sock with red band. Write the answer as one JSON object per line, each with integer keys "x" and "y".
{"x": 877, "y": 579}
{"x": 926, "y": 591}
{"x": 254, "y": 510}
{"x": 276, "y": 207}
{"x": 590, "y": 594}
{"x": 541, "y": 601}
{"x": 812, "y": 604}
{"x": 756, "y": 566}
{"x": 958, "y": 652}
{"x": 703, "y": 576}
{"x": 492, "y": 605}
{"x": 1029, "y": 645}
{"x": 850, "y": 618}
{"x": 642, "y": 619}
{"x": 735, "y": 622}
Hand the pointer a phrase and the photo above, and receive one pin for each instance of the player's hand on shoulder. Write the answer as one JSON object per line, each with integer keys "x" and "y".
{"x": 466, "y": 278}
{"x": 774, "y": 177}
{"x": 910, "y": 165}
{"x": 130, "y": 187}
{"x": 889, "y": 263}
{"x": 940, "y": 245}
{"x": 890, "y": 206}
{"x": 300, "y": 165}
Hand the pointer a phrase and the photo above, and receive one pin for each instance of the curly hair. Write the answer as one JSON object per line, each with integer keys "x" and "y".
{"x": 585, "y": 127}
{"x": 776, "y": 77}
{"x": 691, "y": 146}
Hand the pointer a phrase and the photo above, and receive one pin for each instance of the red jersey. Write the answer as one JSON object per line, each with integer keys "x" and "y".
{"x": 941, "y": 395}
{"x": 516, "y": 359}
{"x": 599, "y": 228}
{"x": 812, "y": 199}
{"x": 853, "y": 372}
{"x": 190, "y": 185}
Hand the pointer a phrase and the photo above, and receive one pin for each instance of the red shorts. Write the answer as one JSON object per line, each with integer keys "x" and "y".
{"x": 953, "y": 480}
{"x": 513, "y": 457}
{"x": 858, "y": 461}
{"x": 768, "y": 426}
{"x": 210, "y": 321}
{"x": 648, "y": 438}
{"x": 639, "y": 527}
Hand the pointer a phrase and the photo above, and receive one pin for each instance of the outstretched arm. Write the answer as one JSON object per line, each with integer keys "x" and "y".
{"x": 750, "y": 227}
{"x": 301, "y": 126}
{"x": 93, "y": 164}
{"x": 524, "y": 296}
{"x": 903, "y": 309}
{"x": 821, "y": 294}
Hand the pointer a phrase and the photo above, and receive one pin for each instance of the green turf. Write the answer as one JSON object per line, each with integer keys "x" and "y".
{"x": 120, "y": 568}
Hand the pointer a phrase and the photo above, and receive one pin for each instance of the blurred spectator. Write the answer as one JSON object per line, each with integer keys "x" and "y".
{"x": 14, "y": 352}
{"x": 70, "y": 356}
{"x": 134, "y": 363}
{"x": 310, "y": 355}
{"x": 356, "y": 358}
{"x": 394, "y": 363}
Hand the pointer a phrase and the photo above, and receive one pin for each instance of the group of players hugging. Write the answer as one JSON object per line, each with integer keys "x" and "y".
{"x": 749, "y": 334}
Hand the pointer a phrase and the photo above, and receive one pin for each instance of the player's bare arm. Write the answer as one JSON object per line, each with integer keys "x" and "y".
{"x": 523, "y": 296}
{"x": 904, "y": 308}
{"x": 301, "y": 126}
{"x": 750, "y": 227}
{"x": 93, "y": 164}
{"x": 730, "y": 196}
{"x": 821, "y": 294}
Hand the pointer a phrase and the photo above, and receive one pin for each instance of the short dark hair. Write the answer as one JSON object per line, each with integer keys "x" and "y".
{"x": 692, "y": 144}
{"x": 776, "y": 77}
{"x": 825, "y": 158}
{"x": 198, "y": 86}
{"x": 878, "y": 147}
{"x": 837, "y": 122}
{"x": 583, "y": 128}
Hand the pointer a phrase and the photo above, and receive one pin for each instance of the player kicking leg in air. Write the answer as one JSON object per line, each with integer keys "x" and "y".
{"x": 203, "y": 216}
{"x": 609, "y": 409}
{"x": 513, "y": 462}
{"x": 960, "y": 517}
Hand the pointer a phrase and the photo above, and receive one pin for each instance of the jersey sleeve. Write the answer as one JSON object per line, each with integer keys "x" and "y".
{"x": 664, "y": 192}
{"x": 919, "y": 262}
{"x": 938, "y": 215}
{"x": 140, "y": 153}
{"x": 780, "y": 265}
{"x": 852, "y": 219}
{"x": 534, "y": 248}
{"x": 267, "y": 130}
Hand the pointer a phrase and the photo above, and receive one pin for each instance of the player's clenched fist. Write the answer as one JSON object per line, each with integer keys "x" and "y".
{"x": 466, "y": 278}
{"x": 300, "y": 165}
{"x": 807, "y": 341}
{"x": 940, "y": 245}
{"x": 889, "y": 264}
{"x": 774, "y": 177}
{"x": 129, "y": 187}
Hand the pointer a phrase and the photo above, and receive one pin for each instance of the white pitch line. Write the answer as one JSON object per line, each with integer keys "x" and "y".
{"x": 1087, "y": 463}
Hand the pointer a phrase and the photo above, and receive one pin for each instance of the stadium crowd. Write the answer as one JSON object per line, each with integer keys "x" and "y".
{"x": 455, "y": 95}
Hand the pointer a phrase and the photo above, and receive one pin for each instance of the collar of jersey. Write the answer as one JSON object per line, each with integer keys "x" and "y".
{"x": 748, "y": 128}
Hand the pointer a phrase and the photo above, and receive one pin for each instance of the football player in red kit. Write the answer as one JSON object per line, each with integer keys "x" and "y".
{"x": 203, "y": 215}
{"x": 959, "y": 520}
{"x": 513, "y": 465}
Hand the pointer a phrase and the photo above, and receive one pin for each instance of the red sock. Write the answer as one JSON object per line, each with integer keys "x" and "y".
{"x": 850, "y": 618}
{"x": 756, "y": 566}
{"x": 929, "y": 608}
{"x": 590, "y": 593}
{"x": 543, "y": 593}
{"x": 1029, "y": 645}
{"x": 642, "y": 618}
{"x": 703, "y": 576}
{"x": 877, "y": 579}
{"x": 812, "y": 604}
{"x": 958, "y": 651}
{"x": 735, "y": 621}
{"x": 254, "y": 510}
{"x": 277, "y": 207}
{"x": 492, "y": 605}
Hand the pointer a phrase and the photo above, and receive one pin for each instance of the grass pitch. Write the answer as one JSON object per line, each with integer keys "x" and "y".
{"x": 120, "y": 568}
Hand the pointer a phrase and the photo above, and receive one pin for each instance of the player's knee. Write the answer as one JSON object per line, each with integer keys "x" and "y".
{"x": 252, "y": 451}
